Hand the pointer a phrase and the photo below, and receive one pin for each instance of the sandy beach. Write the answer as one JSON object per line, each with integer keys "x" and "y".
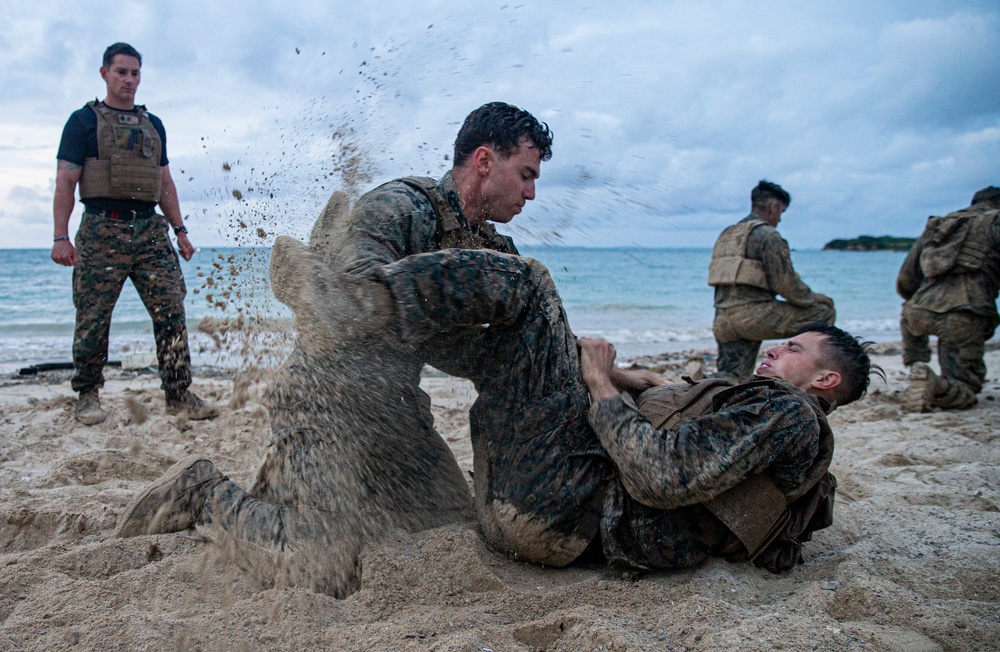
{"x": 912, "y": 561}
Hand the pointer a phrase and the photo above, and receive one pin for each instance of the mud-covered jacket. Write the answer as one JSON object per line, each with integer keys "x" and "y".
{"x": 955, "y": 263}
{"x": 128, "y": 163}
{"x": 732, "y": 470}
{"x": 751, "y": 262}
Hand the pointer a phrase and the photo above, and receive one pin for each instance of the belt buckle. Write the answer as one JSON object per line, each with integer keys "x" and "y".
{"x": 129, "y": 215}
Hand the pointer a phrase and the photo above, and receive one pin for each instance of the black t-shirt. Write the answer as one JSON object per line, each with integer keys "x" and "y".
{"x": 79, "y": 142}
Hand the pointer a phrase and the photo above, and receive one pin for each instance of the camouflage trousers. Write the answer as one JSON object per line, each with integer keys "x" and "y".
{"x": 740, "y": 330}
{"x": 961, "y": 335}
{"x": 353, "y": 456}
{"x": 111, "y": 251}
{"x": 539, "y": 469}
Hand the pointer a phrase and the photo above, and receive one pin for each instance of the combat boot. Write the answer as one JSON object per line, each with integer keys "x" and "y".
{"x": 88, "y": 408}
{"x": 187, "y": 402}
{"x": 173, "y": 502}
{"x": 924, "y": 385}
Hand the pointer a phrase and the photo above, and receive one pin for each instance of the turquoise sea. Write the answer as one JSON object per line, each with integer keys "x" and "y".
{"x": 645, "y": 301}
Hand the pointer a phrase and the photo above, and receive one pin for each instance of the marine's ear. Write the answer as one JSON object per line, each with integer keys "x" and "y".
{"x": 826, "y": 380}
{"x": 482, "y": 158}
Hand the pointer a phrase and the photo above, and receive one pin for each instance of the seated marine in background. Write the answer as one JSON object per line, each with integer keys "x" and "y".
{"x": 751, "y": 265}
{"x": 949, "y": 281}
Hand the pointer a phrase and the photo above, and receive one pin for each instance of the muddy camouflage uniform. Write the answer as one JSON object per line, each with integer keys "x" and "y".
{"x": 958, "y": 305}
{"x": 354, "y": 452}
{"x": 746, "y": 315}
{"x": 545, "y": 486}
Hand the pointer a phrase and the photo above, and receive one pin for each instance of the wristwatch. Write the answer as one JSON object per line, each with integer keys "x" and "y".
{"x": 180, "y": 229}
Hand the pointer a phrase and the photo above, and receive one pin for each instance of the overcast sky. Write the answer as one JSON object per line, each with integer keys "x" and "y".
{"x": 873, "y": 115}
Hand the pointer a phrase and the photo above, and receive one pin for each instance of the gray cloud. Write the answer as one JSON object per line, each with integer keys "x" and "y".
{"x": 665, "y": 115}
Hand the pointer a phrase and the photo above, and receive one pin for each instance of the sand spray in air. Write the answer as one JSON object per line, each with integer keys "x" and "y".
{"x": 352, "y": 457}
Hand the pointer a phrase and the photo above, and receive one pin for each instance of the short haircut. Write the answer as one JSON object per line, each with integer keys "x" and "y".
{"x": 120, "y": 48}
{"x": 501, "y": 126}
{"x": 988, "y": 195}
{"x": 848, "y": 356}
{"x": 766, "y": 190}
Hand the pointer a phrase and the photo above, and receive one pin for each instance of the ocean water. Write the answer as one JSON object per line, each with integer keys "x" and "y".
{"x": 645, "y": 301}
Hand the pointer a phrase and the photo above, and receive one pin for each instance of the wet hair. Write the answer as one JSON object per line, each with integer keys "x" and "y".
{"x": 848, "y": 356}
{"x": 988, "y": 195}
{"x": 501, "y": 126}
{"x": 120, "y": 48}
{"x": 766, "y": 190}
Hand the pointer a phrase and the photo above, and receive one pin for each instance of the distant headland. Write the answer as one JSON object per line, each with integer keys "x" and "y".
{"x": 870, "y": 243}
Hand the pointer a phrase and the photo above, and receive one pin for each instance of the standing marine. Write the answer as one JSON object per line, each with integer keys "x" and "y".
{"x": 949, "y": 281}
{"x": 751, "y": 265}
{"x": 116, "y": 152}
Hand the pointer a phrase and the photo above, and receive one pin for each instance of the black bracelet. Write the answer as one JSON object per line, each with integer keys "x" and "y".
{"x": 180, "y": 229}
{"x": 60, "y": 239}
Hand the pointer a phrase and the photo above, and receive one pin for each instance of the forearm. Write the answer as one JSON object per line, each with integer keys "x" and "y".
{"x": 64, "y": 199}
{"x": 635, "y": 381}
{"x": 601, "y": 388}
{"x": 170, "y": 204}
{"x": 62, "y": 209}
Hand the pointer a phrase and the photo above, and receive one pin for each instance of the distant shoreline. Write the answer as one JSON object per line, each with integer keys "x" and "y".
{"x": 870, "y": 243}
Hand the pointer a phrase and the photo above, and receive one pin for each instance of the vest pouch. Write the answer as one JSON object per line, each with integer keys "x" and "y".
{"x": 977, "y": 254}
{"x": 755, "y": 511}
{"x": 131, "y": 182}
{"x": 730, "y": 265}
{"x": 723, "y": 271}
{"x": 811, "y": 512}
{"x": 665, "y": 405}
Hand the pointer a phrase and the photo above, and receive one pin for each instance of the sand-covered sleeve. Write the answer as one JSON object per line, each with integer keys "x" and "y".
{"x": 386, "y": 225}
{"x": 698, "y": 459}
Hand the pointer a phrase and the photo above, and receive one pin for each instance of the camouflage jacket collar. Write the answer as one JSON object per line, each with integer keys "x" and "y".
{"x": 450, "y": 190}
{"x": 818, "y": 403}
